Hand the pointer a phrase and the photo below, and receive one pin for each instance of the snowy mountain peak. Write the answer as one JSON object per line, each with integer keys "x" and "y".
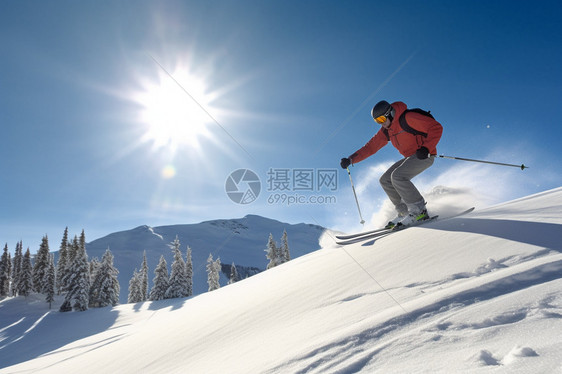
{"x": 241, "y": 241}
{"x": 233, "y": 225}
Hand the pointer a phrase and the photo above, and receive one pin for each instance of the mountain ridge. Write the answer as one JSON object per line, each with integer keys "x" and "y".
{"x": 241, "y": 241}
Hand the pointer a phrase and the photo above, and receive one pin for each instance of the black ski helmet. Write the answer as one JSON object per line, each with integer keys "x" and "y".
{"x": 380, "y": 109}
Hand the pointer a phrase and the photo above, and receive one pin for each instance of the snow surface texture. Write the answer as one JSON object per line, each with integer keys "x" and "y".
{"x": 475, "y": 294}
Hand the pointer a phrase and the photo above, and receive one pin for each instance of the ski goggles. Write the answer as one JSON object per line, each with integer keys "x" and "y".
{"x": 382, "y": 119}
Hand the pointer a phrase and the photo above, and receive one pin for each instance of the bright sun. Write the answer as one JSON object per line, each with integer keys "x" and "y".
{"x": 175, "y": 110}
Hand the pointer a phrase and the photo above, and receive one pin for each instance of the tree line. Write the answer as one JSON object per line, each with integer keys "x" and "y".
{"x": 93, "y": 283}
{"x": 83, "y": 283}
{"x": 179, "y": 283}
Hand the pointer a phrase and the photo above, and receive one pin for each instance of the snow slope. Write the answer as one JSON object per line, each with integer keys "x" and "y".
{"x": 477, "y": 294}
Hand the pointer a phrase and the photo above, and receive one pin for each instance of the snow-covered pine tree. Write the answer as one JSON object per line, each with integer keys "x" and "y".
{"x": 218, "y": 267}
{"x": 135, "y": 288}
{"x": 105, "y": 287}
{"x": 79, "y": 279}
{"x": 72, "y": 250}
{"x": 272, "y": 253}
{"x": 213, "y": 273}
{"x": 66, "y": 306}
{"x": 189, "y": 272}
{"x": 41, "y": 263}
{"x": 94, "y": 267}
{"x": 233, "y": 275}
{"x": 5, "y": 273}
{"x": 62, "y": 263}
{"x": 177, "y": 285}
{"x": 24, "y": 282}
{"x": 82, "y": 270}
{"x": 143, "y": 276}
{"x": 160, "y": 281}
{"x": 49, "y": 286}
{"x": 16, "y": 268}
{"x": 285, "y": 254}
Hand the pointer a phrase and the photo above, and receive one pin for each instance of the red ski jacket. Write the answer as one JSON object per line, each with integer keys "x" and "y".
{"x": 405, "y": 142}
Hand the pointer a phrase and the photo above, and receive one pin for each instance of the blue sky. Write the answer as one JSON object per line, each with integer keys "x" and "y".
{"x": 98, "y": 100}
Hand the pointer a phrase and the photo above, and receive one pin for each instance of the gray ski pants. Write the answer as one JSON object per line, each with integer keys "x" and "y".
{"x": 397, "y": 185}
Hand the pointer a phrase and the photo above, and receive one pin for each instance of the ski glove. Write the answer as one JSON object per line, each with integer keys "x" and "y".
{"x": 345, "y": 162}
{"x": 422, "y": 153}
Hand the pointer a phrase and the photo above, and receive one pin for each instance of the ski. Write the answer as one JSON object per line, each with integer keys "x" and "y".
{"x": 382, "y": 232}
{"x": 357, "y": 239}
{"x": 359, "y": 234}
{"x": 377, "y": 233}
{"x": 399, "y": 226}
{"x": 351, "y": 236}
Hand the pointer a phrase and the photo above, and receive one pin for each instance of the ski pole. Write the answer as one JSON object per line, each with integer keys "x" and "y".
{"x": 522, "y": 166}
{"x": 354, "y": 194}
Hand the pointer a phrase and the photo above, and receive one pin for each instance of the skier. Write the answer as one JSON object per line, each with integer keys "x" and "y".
{"x": 415, "y": 135}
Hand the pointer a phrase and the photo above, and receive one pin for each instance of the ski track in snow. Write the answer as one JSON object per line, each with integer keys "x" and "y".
{"x": 355, "y": 353}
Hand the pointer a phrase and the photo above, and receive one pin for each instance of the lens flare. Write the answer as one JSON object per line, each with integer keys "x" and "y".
{"x": 168, "y": 172}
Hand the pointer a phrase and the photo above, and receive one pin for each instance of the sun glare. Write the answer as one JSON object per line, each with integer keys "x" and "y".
{"x": 175, "y": 110}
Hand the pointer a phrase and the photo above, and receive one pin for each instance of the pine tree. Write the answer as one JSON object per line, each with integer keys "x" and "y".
{"x": 135, "y": 288}
{"x": 178, "y": 283}
{"x": 82, "y": 270}
{"x": 49, "y": 281}
{"x": 66, "y": 306}
{"x": 213, "y": 273}
{"x": 160, "y": 281}
{"x": 40, "y": 266}
{"x": 5, "y": 273}
{"x": 143, "y": 276}
{"x": 189, "y": 272}
{"x": 233, "y": 274}
{"x": 16, "y": 272}
{"x": 284, "y": 254}
{"x": 105, "y": 286}
{"x": 72, "y": 250}
{"x": 24, "y": 282}
{"x": 95, "y": 265}
{"x": 218, "y": 267}
{"x": 272, "y": 253}
{"x": 62, "y": 263}
{"x": 78, "y": 279}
